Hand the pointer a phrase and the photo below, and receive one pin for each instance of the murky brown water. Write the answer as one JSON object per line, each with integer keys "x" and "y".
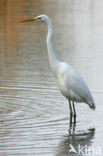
{"x": 34, "y": 116}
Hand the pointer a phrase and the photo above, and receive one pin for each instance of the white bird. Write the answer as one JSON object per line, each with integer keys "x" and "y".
{"x": 70, "y": 83}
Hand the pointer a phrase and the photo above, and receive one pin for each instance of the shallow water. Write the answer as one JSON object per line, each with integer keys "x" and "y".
{"x": 34, "y": 116}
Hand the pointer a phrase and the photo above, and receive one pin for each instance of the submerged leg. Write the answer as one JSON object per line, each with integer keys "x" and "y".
{"x": 71, "y": 113}
{"x": 74, "y": 110}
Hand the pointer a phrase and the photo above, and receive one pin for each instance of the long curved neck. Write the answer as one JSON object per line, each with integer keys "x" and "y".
{"x": 52, "y": 57}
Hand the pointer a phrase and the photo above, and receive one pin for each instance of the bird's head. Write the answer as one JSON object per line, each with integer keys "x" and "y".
{"x": 40, "y": 18}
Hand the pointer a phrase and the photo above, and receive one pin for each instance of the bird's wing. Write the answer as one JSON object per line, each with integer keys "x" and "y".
{"x": 76, "y": 84}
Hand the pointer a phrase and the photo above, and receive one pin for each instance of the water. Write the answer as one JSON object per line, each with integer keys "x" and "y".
{"x": 34, "y": 116}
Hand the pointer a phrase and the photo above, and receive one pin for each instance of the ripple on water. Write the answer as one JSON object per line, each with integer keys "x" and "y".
{"x": 34, "y": 117}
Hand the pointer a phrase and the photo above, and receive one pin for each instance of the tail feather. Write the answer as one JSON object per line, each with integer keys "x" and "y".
{"x": 92, "y": 104}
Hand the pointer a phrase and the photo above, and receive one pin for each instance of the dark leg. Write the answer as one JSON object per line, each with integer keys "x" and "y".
{"x": 74, "y": 110}
{"x": 71, "y": 113}
{"x": 72, "y": 119}
{"x": 70, "y": 125}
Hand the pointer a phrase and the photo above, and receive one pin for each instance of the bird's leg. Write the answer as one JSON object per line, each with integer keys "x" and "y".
{"x": 70, "y": 125}
{"x": 74, "y": 110}
{"x": 71, "y": 113}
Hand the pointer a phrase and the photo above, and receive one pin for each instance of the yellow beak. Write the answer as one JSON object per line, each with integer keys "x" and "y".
{"x": 28, "y": 20}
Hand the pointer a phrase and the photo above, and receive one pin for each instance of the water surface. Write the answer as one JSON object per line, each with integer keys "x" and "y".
{"x": 34, "y": 116}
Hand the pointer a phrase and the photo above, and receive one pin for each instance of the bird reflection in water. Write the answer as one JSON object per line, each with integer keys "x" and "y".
{"x": 70, "y": 144}
{"x": 72, "y": 125}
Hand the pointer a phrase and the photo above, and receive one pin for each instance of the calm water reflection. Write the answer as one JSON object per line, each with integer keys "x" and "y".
{"x": 78, "y": 142}
{"x": 34, "y": 116}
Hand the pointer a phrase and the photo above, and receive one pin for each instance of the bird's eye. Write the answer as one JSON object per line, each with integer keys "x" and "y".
{"x": 39, "y": 17}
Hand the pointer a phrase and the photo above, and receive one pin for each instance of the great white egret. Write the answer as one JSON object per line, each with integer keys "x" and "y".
{"x": 70, "y": 83}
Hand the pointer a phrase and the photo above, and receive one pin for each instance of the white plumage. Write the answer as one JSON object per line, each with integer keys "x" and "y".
{"x": 70, "y": 83}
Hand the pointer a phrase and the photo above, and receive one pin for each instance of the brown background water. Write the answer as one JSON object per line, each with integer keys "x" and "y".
{"x": 34, "y": 116}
